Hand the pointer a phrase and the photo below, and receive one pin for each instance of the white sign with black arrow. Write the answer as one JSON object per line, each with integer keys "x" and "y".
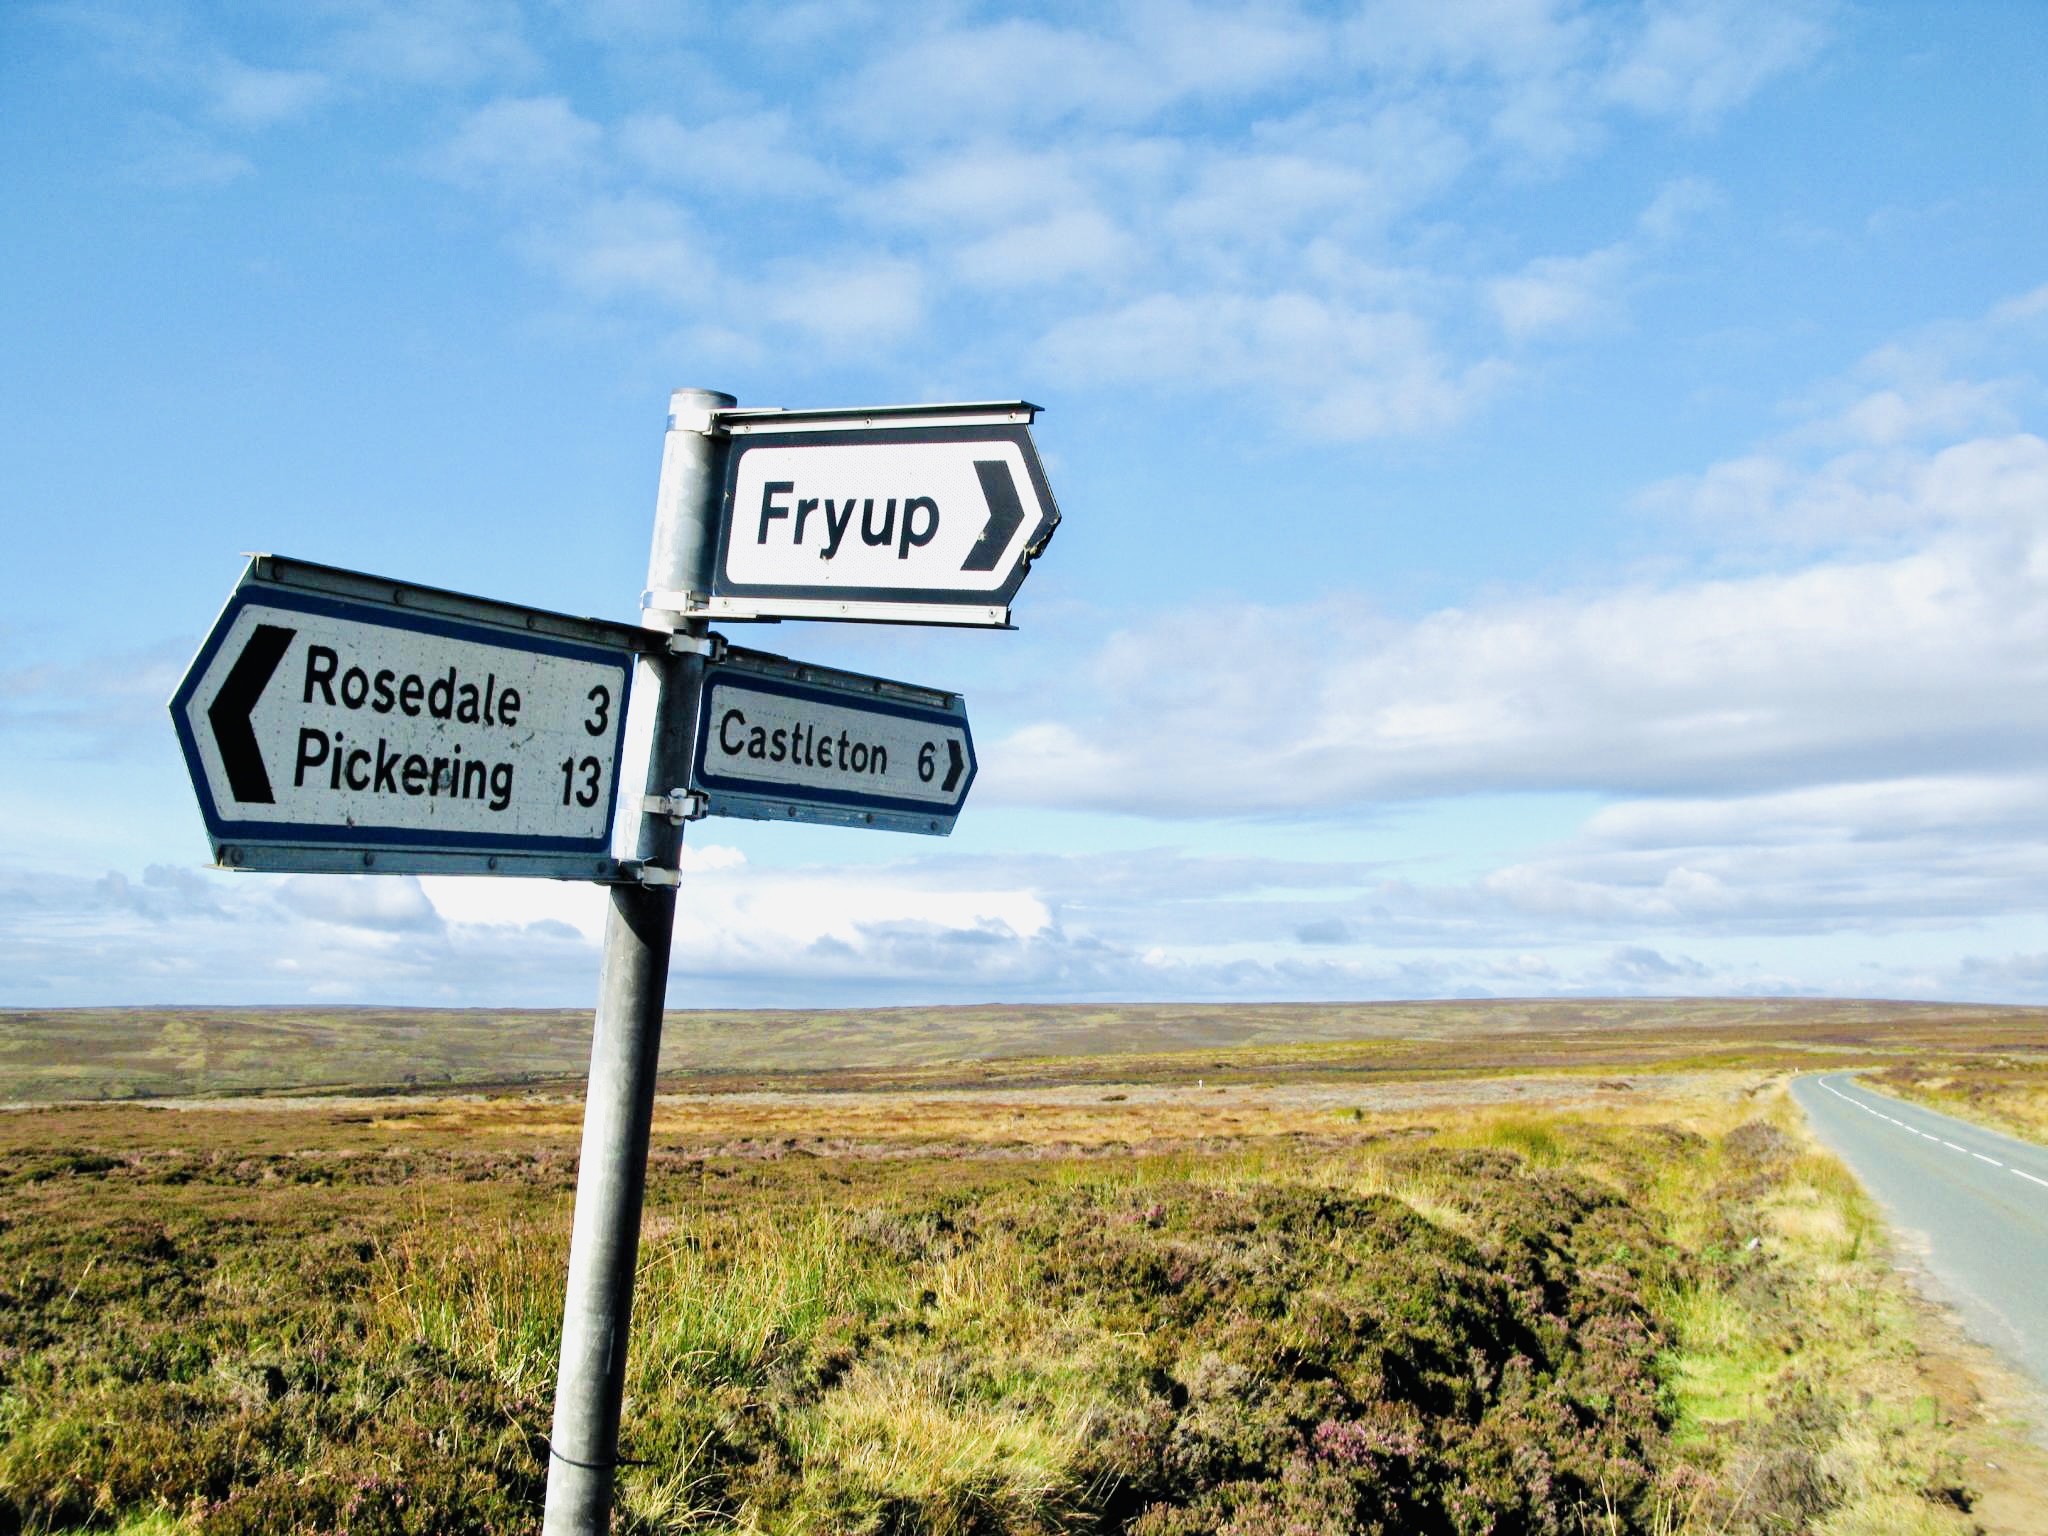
{"x": 920, "y": 514}
{"x": 334, "y": 721}
{"x": 781, "y": 740}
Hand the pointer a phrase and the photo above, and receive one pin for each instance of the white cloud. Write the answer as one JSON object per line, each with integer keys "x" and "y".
{"x": 736, "y": 921}
{"x": 99, "y": 707}
{"x": 1698, "y": 59}
{"x": 245, "y": 96}
{"x": 1677, "y": 205}
{"x": 628, "y": 23}
{"x": 2021, "y": 311}
{"x": 1211, "y": 50}
{"x": 634, "y": 246}
{"x": 1558, "y": 291}
{"x": 2014, "y": 975}
{"x": 1981, "y": 806}
{"x": 1269, "y": 197}
{"x": 1543, "y": 75}
{"x": 1874, "y": 859}
{"x": 1878, "y": 478}
{"x": 377, "y": 904}
{"x": 1849, "y": 669}
{"x": 1019, "y": 75}
{"x": 1630, "y": 905}
{"x": 167, "y": 153}
{"x": 949, "y": 84}
{"x": 521, "y": 144}
{"x": 429, "y": 42}
{"x": 1078, "y": 243}
{"x": 1652, "y": 968}
{"x": 1078, "y": 167}
{"x": 1555, "y": 293}
{"x": 985, "y": 187}
{"x": 845, "y": 304}
{"x": 1345, "y": 372}
{"x": 747, "y": 155}
{"x": 1509, "y": 39}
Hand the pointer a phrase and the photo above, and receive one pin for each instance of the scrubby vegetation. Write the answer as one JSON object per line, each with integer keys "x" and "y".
{"x": 2006, "y": 1090}
{"x": 1666, "y": 1318}
{"x": 142, "y": 1053}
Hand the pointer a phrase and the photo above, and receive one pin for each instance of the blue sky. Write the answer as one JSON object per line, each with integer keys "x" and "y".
{"x": 1556, "y": 497}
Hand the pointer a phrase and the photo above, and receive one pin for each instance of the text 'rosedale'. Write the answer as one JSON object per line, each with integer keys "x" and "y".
{"x": 378, "y": 769}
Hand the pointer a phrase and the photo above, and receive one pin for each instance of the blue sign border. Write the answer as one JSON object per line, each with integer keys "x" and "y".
{"x": 329, "y": 835}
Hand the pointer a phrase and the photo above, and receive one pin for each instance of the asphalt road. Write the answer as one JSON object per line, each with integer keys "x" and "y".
{"x": 1973, "y": 1201}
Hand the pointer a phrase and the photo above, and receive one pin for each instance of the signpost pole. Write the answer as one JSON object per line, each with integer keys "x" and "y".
{"x": 611, "y": 1176}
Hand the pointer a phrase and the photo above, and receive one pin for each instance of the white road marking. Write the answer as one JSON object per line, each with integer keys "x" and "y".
{"x": 1930, "y": 1136}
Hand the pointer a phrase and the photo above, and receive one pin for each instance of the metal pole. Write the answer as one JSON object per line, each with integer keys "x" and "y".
{"x": 611, "y": 1177}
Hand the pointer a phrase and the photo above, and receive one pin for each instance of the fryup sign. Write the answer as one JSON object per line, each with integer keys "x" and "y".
{"x": 910, "y": 518}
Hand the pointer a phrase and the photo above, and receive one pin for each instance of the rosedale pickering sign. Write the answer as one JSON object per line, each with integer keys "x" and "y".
{"x": 332, "y": 721}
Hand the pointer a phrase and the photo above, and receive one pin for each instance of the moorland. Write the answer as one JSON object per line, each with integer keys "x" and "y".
{"x": 1467, "y": 1269}
{"x": 145, "y": 1053}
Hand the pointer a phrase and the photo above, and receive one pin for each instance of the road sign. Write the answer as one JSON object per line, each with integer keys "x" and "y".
{"x": 780, "y": 740}
{"x": 339, "y": 722}
{"x": 335, "y": 721}
{"x": 920, "y": 514}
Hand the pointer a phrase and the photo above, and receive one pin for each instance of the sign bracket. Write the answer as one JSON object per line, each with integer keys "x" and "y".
{"x": 678, "y": 806}
{"x": 680, "y": 643}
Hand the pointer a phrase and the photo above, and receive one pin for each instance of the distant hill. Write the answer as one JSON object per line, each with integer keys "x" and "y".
{"x": 129, "y": 1053}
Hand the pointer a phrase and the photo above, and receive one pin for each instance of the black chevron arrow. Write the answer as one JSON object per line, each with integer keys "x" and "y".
{"x": 230, "y": 710}
{"x": 1005, "y": 513}
{"x": 954, "y": 764}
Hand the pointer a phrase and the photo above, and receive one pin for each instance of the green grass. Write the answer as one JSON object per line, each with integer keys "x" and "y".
{"x": 1720, "y": 1367}
{"x": 1666, "y": 1318}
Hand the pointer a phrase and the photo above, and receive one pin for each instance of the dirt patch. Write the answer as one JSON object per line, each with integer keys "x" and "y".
{"x": 2001, "y": 1419}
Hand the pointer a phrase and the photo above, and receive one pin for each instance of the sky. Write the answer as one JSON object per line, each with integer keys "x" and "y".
{"x": 1555, "y": 494}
